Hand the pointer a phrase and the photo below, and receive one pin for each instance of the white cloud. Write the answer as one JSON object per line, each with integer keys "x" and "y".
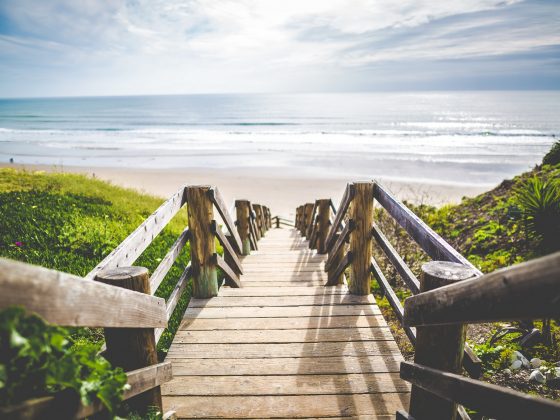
{"x": 259, "y": 43}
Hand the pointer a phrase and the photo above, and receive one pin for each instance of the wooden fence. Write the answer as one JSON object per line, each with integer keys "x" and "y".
{"x": 121, "y": 299}
{"x": 530, "y": 290}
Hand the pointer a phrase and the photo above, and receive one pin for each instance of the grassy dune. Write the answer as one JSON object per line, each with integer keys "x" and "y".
{"x": 71, "y": 222}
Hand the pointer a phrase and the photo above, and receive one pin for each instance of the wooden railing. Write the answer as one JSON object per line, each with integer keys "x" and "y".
{"x": 349, "y": 241}
{"x": 121, "y": 299}
{"x": 525, "y": 291}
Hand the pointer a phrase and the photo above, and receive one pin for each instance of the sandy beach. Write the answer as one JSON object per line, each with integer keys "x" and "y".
{"x": 281, "y": 191}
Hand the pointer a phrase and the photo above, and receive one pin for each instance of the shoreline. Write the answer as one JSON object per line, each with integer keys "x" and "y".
{"x": 278, "y": 189}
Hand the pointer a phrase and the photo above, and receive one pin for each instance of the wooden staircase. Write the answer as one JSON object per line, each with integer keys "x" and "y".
{"x": 284, "y": 345}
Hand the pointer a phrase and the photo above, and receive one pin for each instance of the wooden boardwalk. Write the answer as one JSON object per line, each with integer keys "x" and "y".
{"x": 284, "y": 346}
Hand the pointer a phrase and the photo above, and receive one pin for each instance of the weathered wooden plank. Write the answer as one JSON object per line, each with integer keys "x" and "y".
{"x": 393, "y": 299}
{"x": 284, "y": 336}
{"x": 230, "y": 275}
{"x": 287, "y": 366}
{"x": 284, "y": 291}
{"x": 220, "y": 205}
{"x": 350, "y": 321}
{"x": 368, "y": 383}
{"x": 342, "y": 265}
{"x": 130, "y": 249}
{"x": 259, "y": 350}
{"x": 404, "y": 271}
{"x": 423, "y": 235}
{"x": 490, "y": 400}
{"x": 173, "y": 299}
{"x": 360, "y": 244}
{"x": 523, "y": 291}
{"x": 167, "y": 262}
{"x": 340, "y": 241}
{"x": 301, "y": 269}
{"x": 69, "y": 300}
{"x": 314, "y": 283}
{"x": 295, "y": 406}
{"x": 342, "y": 208}
{"x": 321, "y": 300}
{"x": 227, "y": 247}
{"x": 280, "y": 311}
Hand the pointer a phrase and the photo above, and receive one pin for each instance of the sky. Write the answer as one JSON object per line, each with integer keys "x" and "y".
{"x": 130, "y": 47}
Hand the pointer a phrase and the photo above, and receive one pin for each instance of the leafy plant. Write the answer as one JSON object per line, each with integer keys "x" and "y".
{"x": 539, "y": 201}
{"x": 38, "y": 359}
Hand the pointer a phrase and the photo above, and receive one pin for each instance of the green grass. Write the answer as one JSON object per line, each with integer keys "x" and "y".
{"x": 71, "y": 222}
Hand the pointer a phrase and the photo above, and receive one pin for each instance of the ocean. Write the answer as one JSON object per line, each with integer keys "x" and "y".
{"x": 456, "y": 138}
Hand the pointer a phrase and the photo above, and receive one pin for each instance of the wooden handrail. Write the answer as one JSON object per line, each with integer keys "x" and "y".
{"x": 433, "y": 244}
{"x": 524, "y": 291}
{"x": 392, "y": 299}
{"x": 339, "y": 243}
{"x": 174, "y": 297}
{"x": 228, "y": 249}
{"x": 220, "y": 205}
{"x": 342, "y": 209}
{"x": 404, "y": 271}
{"x": 132, "y": 247}
{"x": 231, "y": 276}
{"x": 489, "y": 400}
{"x": 68, "y": 300}
{"x": 167, "y": 262}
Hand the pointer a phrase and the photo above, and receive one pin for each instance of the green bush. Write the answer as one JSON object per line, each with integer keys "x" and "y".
{"x": 539, "y": 201}
{"x": 553, "y": 156}
{"x": 37, "y": 359}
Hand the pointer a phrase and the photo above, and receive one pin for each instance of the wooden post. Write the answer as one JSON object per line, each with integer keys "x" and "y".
{"x": 361, "y": 211}
{"x": 132, "y": 348}
{"x": 242, "y": 215}
{"x": 298, "y": 218}
{"x": 307, "y": 210}
{"x": 440, "y": 347}
{"x": 277, "y": 222}
{"x": 259, "y": 219}
{"x": 324, "y": 214}
{"x": 203, "y": 245}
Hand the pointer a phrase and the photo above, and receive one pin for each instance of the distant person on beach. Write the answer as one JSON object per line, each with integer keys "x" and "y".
{"x": 11, "y": 160}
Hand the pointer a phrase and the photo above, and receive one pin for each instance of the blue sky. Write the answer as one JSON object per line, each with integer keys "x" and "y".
{"x": 112, "y": 47}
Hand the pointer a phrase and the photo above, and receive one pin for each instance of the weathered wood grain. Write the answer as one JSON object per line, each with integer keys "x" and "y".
{"x": 228, "y": 249}
{"x": 523, "y": 291}
{"x": 361, "y": 212}
{"x": 289, "y": 407}
{"x": 231, "y": 276}
{"x": 404, "y": 271}
{"x": 350, "y": 321}
{"x": 68, "y": 300}
{"x": 220, "y": 205}
{"x": 284, "y": 291}
{"x": 342, "y": 209}
{"x": 369, "y": 383}
{"x": 132, "y": 247}
{"x": 203, "y": 246}
{"x": 280, "y": 311}
{"x": 242, "y": 223}
{"x": 167, "y": 262}
{"x": 490, "y": 400}
{"x": 287, "y": 366}
{"x": 132, "y": 348}
{"x": 284, "y": 336}
{"x": 243, "y": 302}
{"x": 260, "y": 350}
{"x": 339, "y": 244}
{"x": 423, "y": 235}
